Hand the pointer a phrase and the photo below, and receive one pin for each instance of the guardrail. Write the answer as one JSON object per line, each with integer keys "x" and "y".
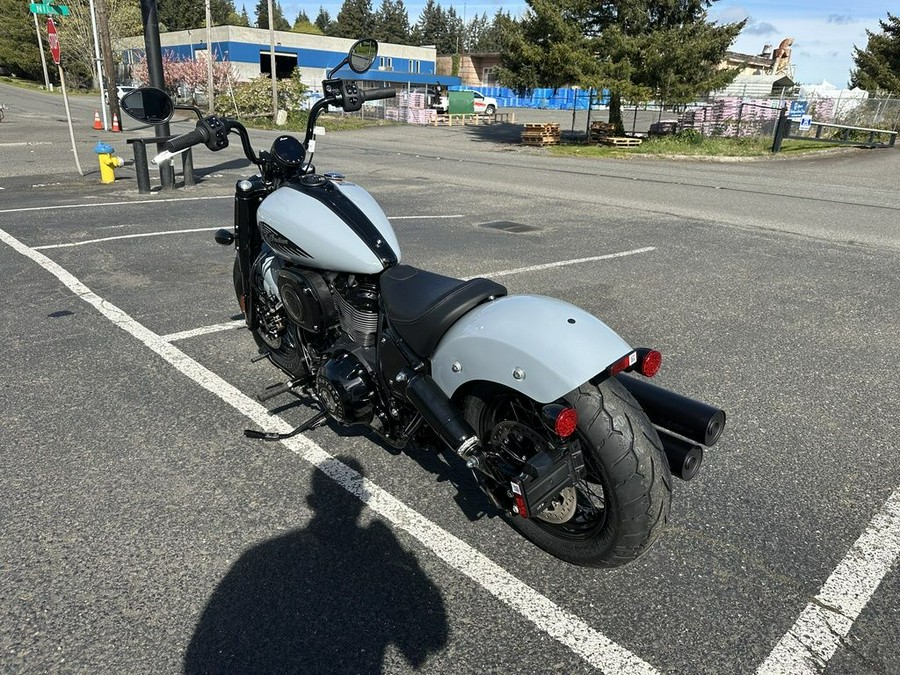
{"x": 783, "y": 131}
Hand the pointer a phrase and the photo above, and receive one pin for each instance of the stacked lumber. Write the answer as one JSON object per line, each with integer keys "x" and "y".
{"x": 600, "y": 130}
{"x": 621, "y": 141}
{"x": 541, "y": 134}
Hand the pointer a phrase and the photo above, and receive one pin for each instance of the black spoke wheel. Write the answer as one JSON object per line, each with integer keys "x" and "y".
{"x": 284, "y": 348}
{"x": 618, "y": 508}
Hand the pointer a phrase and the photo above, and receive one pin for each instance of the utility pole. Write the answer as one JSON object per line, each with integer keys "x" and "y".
{"x": 210, "y": 93}
{"x": 98, "y": 64}
{"x": 108, "y": 66}
{"x": 272, "y": 63}
{"x": 37, "y": 31}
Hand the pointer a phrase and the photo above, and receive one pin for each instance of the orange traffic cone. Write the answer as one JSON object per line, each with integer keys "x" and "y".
{"x": 115, "y": 124}
{"x": 97, "y": 123}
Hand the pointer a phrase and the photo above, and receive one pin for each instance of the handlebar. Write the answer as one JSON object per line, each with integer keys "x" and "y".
{"x": 183, "y": 142}
{"x": 375, "y": 94}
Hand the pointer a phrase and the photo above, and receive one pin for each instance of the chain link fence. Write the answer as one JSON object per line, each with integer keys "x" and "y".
{"x": 740, "y": 117}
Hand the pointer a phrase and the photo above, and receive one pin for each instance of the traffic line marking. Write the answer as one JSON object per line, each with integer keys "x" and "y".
{"x": 816, "y": 635}
{"x": 205, "y": 330}
{"x": 215, "y": 328}
{"x": 571, "y": 631}
{"x": 122, "y": 236}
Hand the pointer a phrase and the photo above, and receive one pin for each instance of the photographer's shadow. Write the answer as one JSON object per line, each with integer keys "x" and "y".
{"x": 326, "y": 599}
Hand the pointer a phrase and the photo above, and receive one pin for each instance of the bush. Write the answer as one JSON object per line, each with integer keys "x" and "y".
{"x": 690, "y": 136}
{"x": 254, "y": 98}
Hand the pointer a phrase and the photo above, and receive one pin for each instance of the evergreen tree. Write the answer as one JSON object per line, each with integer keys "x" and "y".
{"x": 245, "y": 18}
{"x": 18, "y": 48}
{"x": 878, "y": 65}
{"x": 355, "y": 20}
{"x": 392, "y": 22}
{"x": 454, "y": 41}
{"x": 181, "y": 14}
{"x": 302, "y": 24}
{"x": 323, "y": 21}
{"x": 262, "y": 16}
{"x": 431, "y": 28}
{"x": 635, "y": 48}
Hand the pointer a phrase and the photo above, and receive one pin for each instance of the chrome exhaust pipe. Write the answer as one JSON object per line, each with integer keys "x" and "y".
{"x": 684, "y": 457}
{"x": 698, "y": 421}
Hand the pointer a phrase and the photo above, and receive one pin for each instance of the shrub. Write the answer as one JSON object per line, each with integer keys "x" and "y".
{"x": 254, "y": 98}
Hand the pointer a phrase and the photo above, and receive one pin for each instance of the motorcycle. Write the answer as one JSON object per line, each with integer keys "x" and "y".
{"x": 575, "y": 452}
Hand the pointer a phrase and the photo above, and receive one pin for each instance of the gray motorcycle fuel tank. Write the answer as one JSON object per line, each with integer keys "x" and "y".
{"x": 328, "y": 224}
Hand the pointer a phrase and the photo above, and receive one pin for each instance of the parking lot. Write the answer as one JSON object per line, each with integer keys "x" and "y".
{"x": 144, "y": 533}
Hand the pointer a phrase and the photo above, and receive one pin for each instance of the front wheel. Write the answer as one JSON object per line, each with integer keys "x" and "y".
{"x": 619, "y": 507}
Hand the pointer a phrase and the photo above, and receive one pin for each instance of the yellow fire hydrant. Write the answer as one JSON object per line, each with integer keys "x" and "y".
{"x": 108, "y": 162}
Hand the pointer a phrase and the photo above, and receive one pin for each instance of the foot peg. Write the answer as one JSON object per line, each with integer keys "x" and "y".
{"x": 272, "y": 436}
{"x": 277, "y": 389}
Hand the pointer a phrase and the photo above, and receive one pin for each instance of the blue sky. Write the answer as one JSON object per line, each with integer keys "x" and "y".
{"x": 824, "y": 32}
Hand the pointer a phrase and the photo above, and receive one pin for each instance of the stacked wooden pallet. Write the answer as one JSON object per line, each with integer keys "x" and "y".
{"x": 541, "y": 134}
{"x": 621, "y": 141}
{"x": 600, "y": 130}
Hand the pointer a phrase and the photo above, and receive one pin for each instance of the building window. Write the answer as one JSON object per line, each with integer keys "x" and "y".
{"x": 385, "y": 63}
{"x": 416, "y": 67}
{"x": 489, "y": 76}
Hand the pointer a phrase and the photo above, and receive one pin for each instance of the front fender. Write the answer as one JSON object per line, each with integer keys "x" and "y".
{"x": 537, "y": 345}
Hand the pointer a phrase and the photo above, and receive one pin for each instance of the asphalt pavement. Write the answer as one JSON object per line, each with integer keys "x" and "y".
{"x": 142, "y": 532}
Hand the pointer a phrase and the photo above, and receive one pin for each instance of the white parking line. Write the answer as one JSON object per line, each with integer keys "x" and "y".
{"x": 54, "y": 207}
{"x": 123, "y": 236}
{"x": 205, "y": 330}
{"x": 816, "y": 635}
{"x": 568, "y": 629}
{"x": 565, "y": 263}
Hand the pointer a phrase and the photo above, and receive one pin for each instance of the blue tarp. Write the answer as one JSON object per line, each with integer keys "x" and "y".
{"x": 549, "y": 99}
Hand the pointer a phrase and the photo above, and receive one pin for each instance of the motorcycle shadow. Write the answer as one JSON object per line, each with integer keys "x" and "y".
{"x": 428, "y": 452}
{"x": 327, "y": 598}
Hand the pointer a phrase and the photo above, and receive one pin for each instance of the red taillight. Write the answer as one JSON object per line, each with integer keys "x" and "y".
{"x": 649, "y": 363}
{"x": 566, "y": 422}
{"x": 623, "y": 364}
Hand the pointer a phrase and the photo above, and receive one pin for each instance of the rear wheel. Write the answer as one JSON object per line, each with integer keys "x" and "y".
{"x": 619, "y": 507}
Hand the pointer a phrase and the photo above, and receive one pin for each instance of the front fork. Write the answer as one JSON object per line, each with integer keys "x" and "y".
{"x": 248, "y": 195}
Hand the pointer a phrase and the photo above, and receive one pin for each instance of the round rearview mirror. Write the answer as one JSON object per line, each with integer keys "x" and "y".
{"x": 362, "y": 55}
{"x": 149, "y": 105}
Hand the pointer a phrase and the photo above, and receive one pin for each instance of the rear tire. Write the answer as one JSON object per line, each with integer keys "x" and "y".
{"x": 622, "y": 503}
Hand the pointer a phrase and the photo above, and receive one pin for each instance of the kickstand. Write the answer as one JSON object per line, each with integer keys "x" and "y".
{"x": 272, "y": 436}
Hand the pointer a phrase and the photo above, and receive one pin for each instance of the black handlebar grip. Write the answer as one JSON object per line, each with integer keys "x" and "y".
{"x": 383, "y": 92}
{"x": 185, "y": 141}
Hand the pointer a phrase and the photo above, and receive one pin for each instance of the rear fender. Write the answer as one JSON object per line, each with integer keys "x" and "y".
{"x": 539, "y": 346}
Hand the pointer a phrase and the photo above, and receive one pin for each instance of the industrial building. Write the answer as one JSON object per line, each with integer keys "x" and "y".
{"x": 248, "y": 51}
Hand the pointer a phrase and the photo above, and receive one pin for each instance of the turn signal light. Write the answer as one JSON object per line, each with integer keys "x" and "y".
{"x": 649, "y": 361}
{"x": 566, "y": 422}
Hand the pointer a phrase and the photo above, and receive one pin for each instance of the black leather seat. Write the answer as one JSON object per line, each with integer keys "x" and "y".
{"x": 423, "y": 305}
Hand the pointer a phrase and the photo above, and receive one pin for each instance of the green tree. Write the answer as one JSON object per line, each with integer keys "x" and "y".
{"x": 323, "y": 21}
{"x": 18, "y": 47}
{"x": 431, "y": 28}
{"x": 245, "y": 18}
{"x": 181, "y": 14}
{"x": 76, "y": 32}
{"x": 355, "y": 20}
{"x": 262, "y": 16}
{"x": 302, "y": 24}
{"x": 484, "y": 35}
{"x": 878, "y": 65}
{"x": 392, "y": 22}
{"x": 635, "y": 48}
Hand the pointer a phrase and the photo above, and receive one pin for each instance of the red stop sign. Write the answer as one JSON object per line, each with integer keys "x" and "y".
{"x": 53, "y": 39}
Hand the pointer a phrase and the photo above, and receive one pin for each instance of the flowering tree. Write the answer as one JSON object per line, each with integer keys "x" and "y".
{"x": 184, "y": 71}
